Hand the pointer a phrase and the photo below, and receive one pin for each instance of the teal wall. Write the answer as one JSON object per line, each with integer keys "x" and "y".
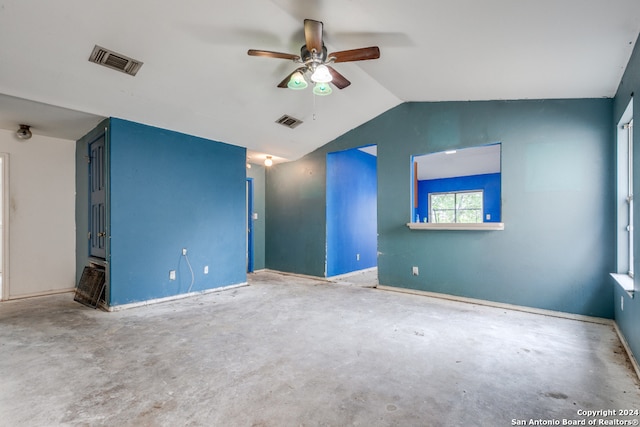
{"x": 257, "y": 173}
{"x": 628, "y": 319}
{"x": 557, "y": 204}
{"x": 296, "y": 218}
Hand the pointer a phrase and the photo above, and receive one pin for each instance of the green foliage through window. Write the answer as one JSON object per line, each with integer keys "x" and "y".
{"x": 461, "y": 207}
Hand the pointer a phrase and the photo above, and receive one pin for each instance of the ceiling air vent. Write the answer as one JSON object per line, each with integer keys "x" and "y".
{"x": 288, "y": 121}
{"x": 114, "y": 60}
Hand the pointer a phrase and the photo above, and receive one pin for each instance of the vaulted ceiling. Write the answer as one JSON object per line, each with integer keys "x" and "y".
{"x": 197, "y": 78}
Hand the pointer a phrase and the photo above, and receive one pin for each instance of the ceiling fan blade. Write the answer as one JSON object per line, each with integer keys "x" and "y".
{"x": 313, "y": 35}
{"x": 285, "y": 82}
{"x": 270, "y": 54}
{"x": 361, "y": 54}
{"x": 338, "y": 79}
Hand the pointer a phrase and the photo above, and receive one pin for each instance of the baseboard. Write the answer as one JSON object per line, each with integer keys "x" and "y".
{"x": 633, "y": 360}
{"x": 514, "y": 307}
{"x": 40, "y": 294}
{"x": 172, "y": 298}
{"x": 352, "y": 273}
{"x": 303, "y": 276}
{"x": 324, "y": 279}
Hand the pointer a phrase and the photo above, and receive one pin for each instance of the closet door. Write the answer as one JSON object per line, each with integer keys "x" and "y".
{"x": 97, "y": 199}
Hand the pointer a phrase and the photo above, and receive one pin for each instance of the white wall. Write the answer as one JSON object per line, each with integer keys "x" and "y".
{"x": 41, "y": 221}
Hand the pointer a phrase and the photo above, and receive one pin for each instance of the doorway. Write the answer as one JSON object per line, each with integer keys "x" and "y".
{"x": 351, "y": 211}
{"x": 250, "y": 239}
{"x": 4, "y": 226}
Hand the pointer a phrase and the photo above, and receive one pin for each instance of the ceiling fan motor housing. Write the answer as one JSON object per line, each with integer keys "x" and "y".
{"x": 309, "y": 58}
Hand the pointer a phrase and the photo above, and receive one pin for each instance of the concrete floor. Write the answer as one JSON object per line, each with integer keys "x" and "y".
{"x": 291, "y": 351}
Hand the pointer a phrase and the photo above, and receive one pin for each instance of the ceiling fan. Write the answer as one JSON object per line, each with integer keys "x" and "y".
{"x": 315, "y": 62}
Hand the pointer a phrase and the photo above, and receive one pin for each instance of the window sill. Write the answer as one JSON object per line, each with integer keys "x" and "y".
{"x": 456, "y": 226}
{"x": 625, "y": 282}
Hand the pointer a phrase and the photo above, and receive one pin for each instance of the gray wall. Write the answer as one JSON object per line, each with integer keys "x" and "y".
{"x": 557, "y": 204}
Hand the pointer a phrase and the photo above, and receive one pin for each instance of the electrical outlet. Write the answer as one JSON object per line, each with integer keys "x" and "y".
{"x": 172, "y": 275}
{"x": 206, "y": 269}
{"x": 184, "y": 251}
{"x": 488, "y": 216}
{"x": 621, "y": 303}
{"x": 414, "y": 271}
{"x": 357, "y": 257}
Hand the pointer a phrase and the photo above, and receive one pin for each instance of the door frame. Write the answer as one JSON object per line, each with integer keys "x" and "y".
{"x": 4, "y": 220}
{"x": 102, "y": 249}
{"x": 250, "y": 254}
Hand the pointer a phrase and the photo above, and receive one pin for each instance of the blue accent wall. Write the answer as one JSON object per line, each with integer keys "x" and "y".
{"x": 171, "y": 191}
{"x": 351, "y": 212}
{"x": 557, "y": 204}
{"x": 489, "y": 183}
{"x": 628, "y": 319}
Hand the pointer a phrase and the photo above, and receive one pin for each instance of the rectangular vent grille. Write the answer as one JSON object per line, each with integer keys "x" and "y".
{"x": 288, "y": 121}
{"x": 90, "y": 289}
{"x": 114, "y": 60}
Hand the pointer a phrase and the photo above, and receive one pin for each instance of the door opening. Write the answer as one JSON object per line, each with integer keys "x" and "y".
{"x": 249, "y": 245}
{"x": 4, "y": 226}
{"x": 351, "y": 211}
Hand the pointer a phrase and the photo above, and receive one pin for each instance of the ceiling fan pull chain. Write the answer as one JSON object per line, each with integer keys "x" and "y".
{"x": 314, "y": 105}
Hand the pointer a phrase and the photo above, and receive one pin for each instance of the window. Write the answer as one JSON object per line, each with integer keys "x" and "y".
{"x": 624, "y": 202}
{"x": 625, "y": 192}
{"x": 456, "y": 207}
{"x": 629, "y": 128}
{"x": 457, "y": 189}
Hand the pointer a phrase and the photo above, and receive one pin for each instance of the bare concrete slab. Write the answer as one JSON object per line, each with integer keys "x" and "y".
{"x": 290, "y": 351}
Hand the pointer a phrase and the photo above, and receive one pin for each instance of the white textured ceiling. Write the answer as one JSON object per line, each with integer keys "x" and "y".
{"x": 469, "y": 161}
{"x": 198, "y": 79}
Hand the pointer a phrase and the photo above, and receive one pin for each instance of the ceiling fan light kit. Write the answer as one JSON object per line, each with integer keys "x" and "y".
{"x": 322, "y": 89}
{"x": 316, "y": 63}
{"x": 297, "y": 81}
{"x": 321, "y": 74}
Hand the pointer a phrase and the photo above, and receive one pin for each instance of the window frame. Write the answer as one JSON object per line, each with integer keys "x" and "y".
{"x": 630, "y": 260}
{"x": 624, "y": 272}
{"x": 455, "y": 200}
